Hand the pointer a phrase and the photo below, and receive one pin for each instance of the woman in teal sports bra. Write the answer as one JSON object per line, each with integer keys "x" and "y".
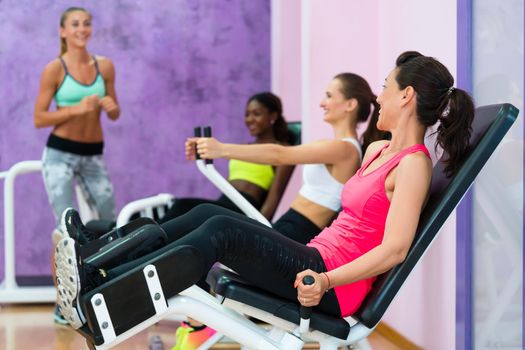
{"x": 82, "y": 86}
{"x": 262, "y": 185}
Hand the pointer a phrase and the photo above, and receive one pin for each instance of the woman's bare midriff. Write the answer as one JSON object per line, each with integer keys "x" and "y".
{"x": 86, "y": 128}
{"x": 256, "y": 192}
{"x": 319, "y": 215}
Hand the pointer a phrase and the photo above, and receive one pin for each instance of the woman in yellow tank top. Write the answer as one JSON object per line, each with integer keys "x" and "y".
{"x": 262, "y": 185}
{"x": 328, "y": 164}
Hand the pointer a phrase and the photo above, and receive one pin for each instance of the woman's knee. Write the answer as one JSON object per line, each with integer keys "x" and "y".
{"x": 219, "y": 222}
{"x": 208, "y": 210}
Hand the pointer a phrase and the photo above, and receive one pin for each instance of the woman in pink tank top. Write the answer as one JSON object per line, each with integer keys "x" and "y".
{"x": 383, "y": 201}
{"x": 381, "y": 205}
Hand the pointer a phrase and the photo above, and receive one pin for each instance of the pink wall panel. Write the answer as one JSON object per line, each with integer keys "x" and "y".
{"x": 343, "y": 38}
{"x": 365, "y": 38}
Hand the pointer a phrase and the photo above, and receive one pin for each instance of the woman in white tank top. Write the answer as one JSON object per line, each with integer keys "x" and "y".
{"x": 329, "y": 163}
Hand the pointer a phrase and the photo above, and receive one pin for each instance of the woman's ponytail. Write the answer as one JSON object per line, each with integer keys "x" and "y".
{"x": 280, "y": 130}
{"x": 454, "y": 129}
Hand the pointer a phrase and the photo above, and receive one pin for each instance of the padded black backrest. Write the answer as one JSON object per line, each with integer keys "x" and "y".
{"x": 490, "y": 125}
{"x": 294, "y": 128}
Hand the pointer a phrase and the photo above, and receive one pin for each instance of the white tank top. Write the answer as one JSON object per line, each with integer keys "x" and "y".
{"x": 320, "y": 187}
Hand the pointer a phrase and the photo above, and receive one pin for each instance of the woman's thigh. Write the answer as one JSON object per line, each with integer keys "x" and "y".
{"x": 259, "y": 254}
{"x": 58, "y": 171}
{"x": 95, "y": 182}
{"x": 180, "y": 226}
{"x": 182, "y": 206}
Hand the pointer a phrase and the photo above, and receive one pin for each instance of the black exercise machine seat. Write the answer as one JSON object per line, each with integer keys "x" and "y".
{"x": 490, "y": 125}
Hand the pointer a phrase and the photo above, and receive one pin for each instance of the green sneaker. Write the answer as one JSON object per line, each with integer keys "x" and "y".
{"x": 58, "y": 317}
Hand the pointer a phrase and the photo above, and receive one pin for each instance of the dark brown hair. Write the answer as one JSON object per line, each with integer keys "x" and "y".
{"x": 273, "y": 103}
{"x": 438, "y": 100}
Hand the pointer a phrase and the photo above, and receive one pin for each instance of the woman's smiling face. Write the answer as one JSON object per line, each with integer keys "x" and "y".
{"x": 76, "y": 29}
{"x": 334, "y": 103}
{"x": 389, "y": 102}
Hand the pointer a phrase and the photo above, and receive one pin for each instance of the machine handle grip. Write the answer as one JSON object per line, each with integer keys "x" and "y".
{"x": 207, "y": 133}
{"x": 304, "y": 310}
{"x": 197, "y": 132}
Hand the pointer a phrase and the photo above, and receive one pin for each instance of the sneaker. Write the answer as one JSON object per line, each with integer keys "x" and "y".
{"x": 58, "y": 318}
{"x": 71, "y": 225}
{"x": 56, "y": 236}
{"x": 189, "y": 337}
{"x": 156, "y": 343}
{"x": 73, "y": 279}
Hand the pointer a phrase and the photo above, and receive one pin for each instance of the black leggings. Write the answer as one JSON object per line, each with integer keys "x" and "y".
{"x": 183, "y": 205}
{"x": 296, "y": 226}
{"x": 259, "y": 254}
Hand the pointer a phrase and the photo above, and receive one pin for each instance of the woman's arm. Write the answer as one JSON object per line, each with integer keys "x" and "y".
{"x": 411, "y": 185}
{"x": 109, "y": 103}
{"x": 282, "y": 175}
{"x": 324, "y": 152}
{"x": 48, "y": 85}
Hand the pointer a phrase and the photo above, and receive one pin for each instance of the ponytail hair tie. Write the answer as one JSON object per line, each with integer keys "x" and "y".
{"x": 450, "y": 90}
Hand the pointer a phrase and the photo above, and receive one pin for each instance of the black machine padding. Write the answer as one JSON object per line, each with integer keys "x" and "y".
{"x": 127, "y": 296}
{"x": 231, "y": 286}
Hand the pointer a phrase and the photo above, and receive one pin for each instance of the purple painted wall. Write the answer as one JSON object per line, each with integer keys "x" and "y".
{"x": 179, "y": 64}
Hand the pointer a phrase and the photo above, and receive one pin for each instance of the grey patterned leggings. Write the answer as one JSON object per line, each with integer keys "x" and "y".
{"x": 60, "y": 169}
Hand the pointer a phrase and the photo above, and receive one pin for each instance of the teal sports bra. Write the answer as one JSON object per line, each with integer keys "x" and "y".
{"x": 71, "y": 92}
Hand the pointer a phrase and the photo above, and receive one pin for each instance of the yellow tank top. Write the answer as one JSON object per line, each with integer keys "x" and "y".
{"x": 260, "y": 174}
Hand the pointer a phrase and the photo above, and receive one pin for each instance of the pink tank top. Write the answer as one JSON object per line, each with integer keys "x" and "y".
{"x": 360, "y": 225}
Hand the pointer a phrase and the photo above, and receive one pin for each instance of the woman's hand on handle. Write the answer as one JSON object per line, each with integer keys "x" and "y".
{"x": 207, "y": 147}
{"x": 310, "y": 295}
{"x": 210, "y": 148}
{"x": 189, "y": 148}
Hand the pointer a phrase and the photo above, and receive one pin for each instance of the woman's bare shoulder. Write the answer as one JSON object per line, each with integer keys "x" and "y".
{"x": 53, "y": 72}
{"x": 54, "y": 66}
{"x": 373, "y": 148}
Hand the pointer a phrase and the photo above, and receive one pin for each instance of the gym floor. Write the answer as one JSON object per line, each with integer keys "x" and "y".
{"x": 24, "y": 327}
